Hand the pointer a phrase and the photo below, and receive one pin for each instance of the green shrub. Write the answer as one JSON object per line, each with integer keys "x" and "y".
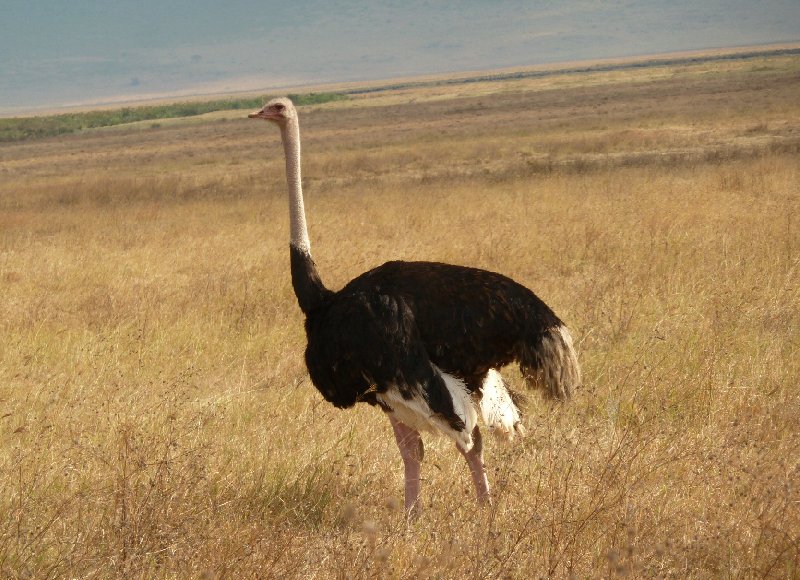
{"x": 23, "y": 128}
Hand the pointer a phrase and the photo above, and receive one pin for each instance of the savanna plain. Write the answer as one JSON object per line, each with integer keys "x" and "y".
{"x": 156, "y": 418}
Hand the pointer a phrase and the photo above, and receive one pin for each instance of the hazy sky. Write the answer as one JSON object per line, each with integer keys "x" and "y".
{"x": 72, "y": 51}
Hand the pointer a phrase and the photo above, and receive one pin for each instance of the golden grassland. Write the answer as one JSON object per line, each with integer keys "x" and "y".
{"x": 156, "y": 418}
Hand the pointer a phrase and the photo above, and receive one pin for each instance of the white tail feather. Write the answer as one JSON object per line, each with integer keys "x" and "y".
{"x": 498, "y": 410}
{"x": 553, "y": 364}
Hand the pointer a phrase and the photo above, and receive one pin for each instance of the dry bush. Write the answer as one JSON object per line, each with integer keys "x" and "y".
{"x": 157, "y": 419}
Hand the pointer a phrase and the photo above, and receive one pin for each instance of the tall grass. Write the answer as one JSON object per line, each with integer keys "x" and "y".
{"x": 158, "y": 421}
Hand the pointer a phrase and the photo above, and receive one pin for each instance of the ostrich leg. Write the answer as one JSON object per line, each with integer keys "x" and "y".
{"x": 474, "y": 459}
{"x": 411, "y": 450}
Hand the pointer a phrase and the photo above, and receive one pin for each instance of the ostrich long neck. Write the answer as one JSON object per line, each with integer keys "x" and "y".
{"x": 290, "y": 135}
{"x": 308, "y": 286}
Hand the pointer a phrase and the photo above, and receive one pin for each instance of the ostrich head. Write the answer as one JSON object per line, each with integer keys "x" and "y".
{"x": 280, "y": 111}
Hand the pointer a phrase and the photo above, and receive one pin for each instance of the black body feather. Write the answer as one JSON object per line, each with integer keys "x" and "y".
{"x": 308, "y": 286}
{"x": 388, "y": 325}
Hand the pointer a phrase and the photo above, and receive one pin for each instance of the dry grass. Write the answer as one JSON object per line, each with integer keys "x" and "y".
{"x": 157, "y": 420}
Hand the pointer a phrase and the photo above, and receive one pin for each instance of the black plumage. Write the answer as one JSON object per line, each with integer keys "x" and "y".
{"x": 385, "y": 327}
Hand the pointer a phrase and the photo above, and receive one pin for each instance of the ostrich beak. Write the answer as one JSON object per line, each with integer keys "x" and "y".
{"x": 265, "y": 114}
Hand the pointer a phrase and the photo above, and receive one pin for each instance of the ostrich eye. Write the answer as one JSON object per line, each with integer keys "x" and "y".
{"x": 279, "y": 107}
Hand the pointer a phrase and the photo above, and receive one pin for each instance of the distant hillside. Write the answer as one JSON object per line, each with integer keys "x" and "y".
{"x": 655, "y": 61}
{"x": 85, "y": 53}
{"x": 24, "y": 128}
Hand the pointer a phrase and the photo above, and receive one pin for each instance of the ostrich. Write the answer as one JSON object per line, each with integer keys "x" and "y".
{"x": 423, "y": 341}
